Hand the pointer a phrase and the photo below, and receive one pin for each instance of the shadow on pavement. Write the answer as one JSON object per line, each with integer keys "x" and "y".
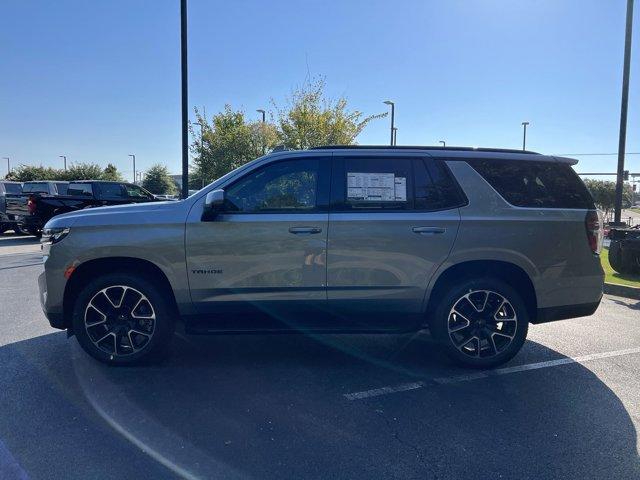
{"x": 273, "y": 407}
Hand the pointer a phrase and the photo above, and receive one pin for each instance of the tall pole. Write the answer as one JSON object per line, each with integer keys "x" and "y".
{"x": 185, "y": 99}
{"x": 395, "y": 136}
{"x": 622, "y": 141}
{"x": 524, "y": 135}
{"x": 65, "y": 161}
{"x": 134, "y": 167}
{"x": 444, "y": 144}
{"x": 393, "y": 108}
{"x": 8, "y": 165}
{"x": 263, "y": 114}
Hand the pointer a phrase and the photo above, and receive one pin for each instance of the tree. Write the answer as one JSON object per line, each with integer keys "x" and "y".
{"x": 111, "y": 173}
{"x": 29, "y": 173}
{"x": 82, "y": 171}
{"x": 227, "y": 143}
{"x": 158, "y": 181}
{"x": 311, "y": 120}
{"x": 604, "y": 194}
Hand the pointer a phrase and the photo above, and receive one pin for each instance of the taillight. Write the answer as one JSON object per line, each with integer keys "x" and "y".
{"x": 593, "y": 224}
{"x": 31, "y": 205}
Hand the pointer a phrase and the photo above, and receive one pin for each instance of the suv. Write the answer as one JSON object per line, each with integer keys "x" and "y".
{"x": 473, "y": 244}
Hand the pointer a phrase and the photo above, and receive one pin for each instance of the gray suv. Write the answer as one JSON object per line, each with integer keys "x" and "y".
{"x": 473, "y": 244}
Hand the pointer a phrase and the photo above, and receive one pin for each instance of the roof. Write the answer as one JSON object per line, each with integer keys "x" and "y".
{"x": 447, "y": 153}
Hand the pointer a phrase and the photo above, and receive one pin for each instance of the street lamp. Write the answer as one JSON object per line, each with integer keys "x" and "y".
{"x": 444, "y": 144}
{"x": 524, "y": 135}
{"x": 8, "y": 165}
{"x": 134, "y": 167}
{"x": 263, "y": 114}
{"x": 393, "y": 108}
{"x": 65, "y": 161}
{"x": 395, "y": 135}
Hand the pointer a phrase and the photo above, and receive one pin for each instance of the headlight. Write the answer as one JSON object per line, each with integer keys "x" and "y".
{"x": 54, "y": 235}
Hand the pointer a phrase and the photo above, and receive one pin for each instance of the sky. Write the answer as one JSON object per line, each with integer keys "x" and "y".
{"x": 99, "y": 80}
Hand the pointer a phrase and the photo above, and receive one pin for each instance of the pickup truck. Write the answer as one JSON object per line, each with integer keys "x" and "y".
{"x": 33, "y": 209}
{"x": 8, "y": 222}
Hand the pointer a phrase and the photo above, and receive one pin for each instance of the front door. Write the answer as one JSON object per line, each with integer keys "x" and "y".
{"x": 261, "y": 261}
{"x": 393, "y": 221}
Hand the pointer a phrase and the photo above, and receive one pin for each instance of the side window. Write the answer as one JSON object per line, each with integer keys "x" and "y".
{"x": 83, "y": 189}
{"x": 62, "y": 188}
{"x": 377, "y": 184}
{"x": 112, "y": 190}
{"x": 287, "y": 186}
{"x": 535, "y": 184}
{"x": 134, "y": 191}
{"x": 435, "y": 189}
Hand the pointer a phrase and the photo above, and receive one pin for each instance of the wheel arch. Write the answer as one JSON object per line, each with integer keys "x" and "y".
{"x": 91, "y": 269}
{"x": 505, "y": 271}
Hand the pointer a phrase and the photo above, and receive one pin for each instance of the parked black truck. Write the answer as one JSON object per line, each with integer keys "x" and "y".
{"x": 32, "y": 209}
{"x": 8, "y": 222}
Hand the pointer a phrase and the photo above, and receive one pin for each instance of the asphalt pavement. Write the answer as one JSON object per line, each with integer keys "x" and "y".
{"x": 315, "y": 406}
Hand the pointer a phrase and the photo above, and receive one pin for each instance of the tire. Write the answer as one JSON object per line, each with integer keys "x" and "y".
{"x": 3, "y": 228}
{"x": 20, "y": 230}
{"x": 615, "y": 258}
{"x": 36, "y": 233}
{"x": 481, "y": 341}
{"x": 129, "y": 321}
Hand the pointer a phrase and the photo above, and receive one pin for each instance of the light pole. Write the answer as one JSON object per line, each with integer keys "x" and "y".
{"x": 444, "y": 144}
{"x": 65, "y": 161}
{"x": 524, "y": 135}
{"x": 134, "y": 167}
{"x": 393, "y": 109}
{"x": 263, "y": 114}
{"x": 622, "y": 139}
{"x": 395, "y": 135}
{"x": 8, "y": 165}
{"x": 184, "y": 78}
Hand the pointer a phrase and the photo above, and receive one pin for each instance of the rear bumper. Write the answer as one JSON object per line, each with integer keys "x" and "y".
{"x": 551, "y": 314}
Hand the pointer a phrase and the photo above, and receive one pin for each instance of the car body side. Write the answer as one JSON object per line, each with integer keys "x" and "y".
{"x": 546, "y": 246}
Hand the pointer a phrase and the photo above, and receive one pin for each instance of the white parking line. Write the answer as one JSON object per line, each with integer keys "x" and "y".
{"x": 376, "y": 392}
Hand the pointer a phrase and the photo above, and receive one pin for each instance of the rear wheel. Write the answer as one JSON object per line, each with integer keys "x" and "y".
{"x": 615, "y": 258}
{"x": 481, "y": 323}
{"x": 123, "y": 319}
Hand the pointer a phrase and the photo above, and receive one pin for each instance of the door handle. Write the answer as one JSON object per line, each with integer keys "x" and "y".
{"x": 428, "y": 230}
{"x": 304, "y": 230}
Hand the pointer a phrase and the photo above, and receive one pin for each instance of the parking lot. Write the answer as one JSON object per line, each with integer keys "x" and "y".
{"x": 294, "y": 406}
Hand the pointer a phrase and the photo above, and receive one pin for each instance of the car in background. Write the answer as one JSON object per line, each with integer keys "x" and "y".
{"x": 8, "y": 222}
{"x": 32, "y": 209}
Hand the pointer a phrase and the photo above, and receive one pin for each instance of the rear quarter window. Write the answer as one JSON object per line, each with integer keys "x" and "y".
{"x": 535, "y": 184}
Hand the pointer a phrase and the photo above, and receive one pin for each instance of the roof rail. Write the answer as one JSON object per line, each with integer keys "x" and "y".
{"x": 421, "y": 147}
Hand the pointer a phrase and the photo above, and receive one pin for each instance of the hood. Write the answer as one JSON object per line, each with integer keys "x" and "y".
{"x": 130, "y": 214}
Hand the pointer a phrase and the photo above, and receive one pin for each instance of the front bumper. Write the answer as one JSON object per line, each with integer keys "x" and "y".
{"x": 53, "y": 313}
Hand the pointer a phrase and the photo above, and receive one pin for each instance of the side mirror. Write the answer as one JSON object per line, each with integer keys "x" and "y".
{"x": 214, "y": 200}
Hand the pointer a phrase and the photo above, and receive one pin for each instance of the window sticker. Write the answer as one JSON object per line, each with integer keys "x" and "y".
{"x": 376, "y": 187}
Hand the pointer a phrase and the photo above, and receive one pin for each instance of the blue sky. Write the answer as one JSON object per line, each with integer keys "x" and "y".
{"x": 98, "y": 80}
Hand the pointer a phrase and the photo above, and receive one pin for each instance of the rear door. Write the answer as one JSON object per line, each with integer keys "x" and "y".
{"x": 263, "y": 257}
{"x": 393, "y": 221}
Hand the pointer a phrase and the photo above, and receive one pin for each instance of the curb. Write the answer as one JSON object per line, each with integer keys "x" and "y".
{"x": 622, "y": 291}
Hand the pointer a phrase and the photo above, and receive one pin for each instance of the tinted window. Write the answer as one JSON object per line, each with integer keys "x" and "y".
{"x": 112, "y": 190}
{"x": 435, "y": 188}
{"x": 13, "y": 188}
{"x": 287, "y": 185}
{"x": 36, "y": 187}
{"x": 378, "y": 184}
{"x": 61, "y": 188}
{"x": 134, "y": 191}
{"x": 535, "y": 184}
{"x": 83, "y": 189}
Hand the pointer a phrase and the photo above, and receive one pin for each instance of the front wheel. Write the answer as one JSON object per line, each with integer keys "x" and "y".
{"x": 481, "y": 323}
{"x": 123, "y": 319}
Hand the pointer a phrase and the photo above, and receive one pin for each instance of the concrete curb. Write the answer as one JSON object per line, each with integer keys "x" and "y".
{"x": 622, "y": 291}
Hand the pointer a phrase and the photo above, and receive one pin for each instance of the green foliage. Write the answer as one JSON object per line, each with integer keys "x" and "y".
{"x": 77, "y": 171}
{"x": 311, "y": 120}
{"x": 158, "y": 181}
{"x": 307, "y": 120}
{"x": 111, "y": 173}
{"x": 604, "y": 194}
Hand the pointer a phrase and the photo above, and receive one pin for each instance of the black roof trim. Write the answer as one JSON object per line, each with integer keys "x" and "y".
{"x": 421, "y": 147}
